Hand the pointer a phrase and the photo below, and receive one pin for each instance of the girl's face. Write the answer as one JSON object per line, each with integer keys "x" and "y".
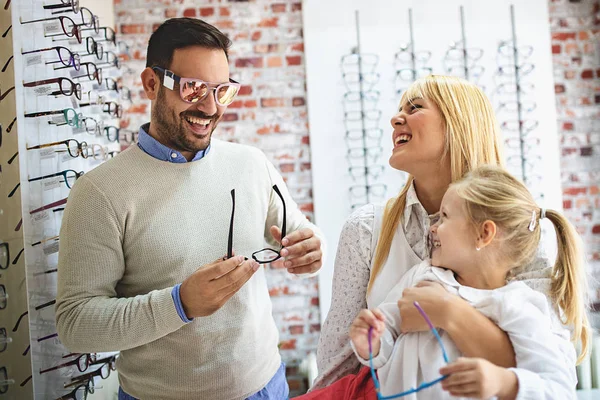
{"x": 419, "y": 138}
{"x": 453, "y": 235}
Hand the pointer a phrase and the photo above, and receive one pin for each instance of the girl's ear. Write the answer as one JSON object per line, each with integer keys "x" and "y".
{"x": 487, "y": 233}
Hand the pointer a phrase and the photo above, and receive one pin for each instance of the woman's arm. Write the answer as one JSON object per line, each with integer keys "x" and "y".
{"x": 473, "y": 333}
{"x": 335, "y": 357}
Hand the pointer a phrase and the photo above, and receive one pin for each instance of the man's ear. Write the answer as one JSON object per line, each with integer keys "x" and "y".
{"x": 151, "y": 83}
{"x": 487, "y": 233}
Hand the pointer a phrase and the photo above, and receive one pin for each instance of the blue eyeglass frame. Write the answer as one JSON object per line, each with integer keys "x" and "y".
{"x": 423, "y": 385}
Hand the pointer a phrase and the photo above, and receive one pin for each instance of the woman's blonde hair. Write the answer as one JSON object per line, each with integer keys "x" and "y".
{"x": 472, "y": 139}
{"x": 491, "y": 193}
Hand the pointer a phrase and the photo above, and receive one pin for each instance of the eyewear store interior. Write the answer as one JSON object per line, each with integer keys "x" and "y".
{"x": 320, "y": 81}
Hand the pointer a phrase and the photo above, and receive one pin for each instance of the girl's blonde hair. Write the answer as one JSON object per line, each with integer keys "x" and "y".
{"x": 472, "y": 139}
{"x": 491, "y": 193}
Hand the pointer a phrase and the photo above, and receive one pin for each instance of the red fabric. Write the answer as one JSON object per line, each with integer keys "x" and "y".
{"x": 350, "y": 387}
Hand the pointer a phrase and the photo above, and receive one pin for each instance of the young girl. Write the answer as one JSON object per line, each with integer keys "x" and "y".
{"x": 489, "y": 226}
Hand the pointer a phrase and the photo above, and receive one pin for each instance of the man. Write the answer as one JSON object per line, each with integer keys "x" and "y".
{"x": 143, "y": 267}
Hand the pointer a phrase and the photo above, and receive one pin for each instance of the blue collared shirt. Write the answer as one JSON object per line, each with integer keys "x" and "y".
{"x": 158, "y": 150}
{"x": 153, "y": 147}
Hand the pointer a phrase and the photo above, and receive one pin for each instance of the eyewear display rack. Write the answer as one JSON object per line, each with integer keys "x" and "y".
{"x": 515, "y": 109}
{"x": 410, "y": 63}
{"x": 361, "y": 119}
{"x": 461, "y": 60}
{"x": 60, "y": 110}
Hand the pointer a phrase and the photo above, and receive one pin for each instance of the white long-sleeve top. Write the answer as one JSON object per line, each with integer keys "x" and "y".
{"x": 407, "y": 360}
{"x": 355, "y": 253}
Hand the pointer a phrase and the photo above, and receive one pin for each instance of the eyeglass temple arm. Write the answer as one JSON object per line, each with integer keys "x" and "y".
{"x": 42, "y": 113}
{"x": 47, "y": 176}
{"x": 284, "y": 223}
{"x": 38, "y": 20}
{"x": 230, "y": 239}
{"x": 38, "y": 83}
{"x": 43, "y": 146}
{"x": 72, "y": 362}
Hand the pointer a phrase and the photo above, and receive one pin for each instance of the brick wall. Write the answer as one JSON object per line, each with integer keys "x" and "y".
{"x": 270, "y": 113}
{"x": 268, "y": 58}
{"x": 575, "y": 29}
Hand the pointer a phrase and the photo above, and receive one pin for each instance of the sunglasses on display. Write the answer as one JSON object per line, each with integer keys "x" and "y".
{"x": 67, "y": 86}
{"x": 70, "y": 29}
{"x": 192, "y": 90}
{"x": 65, "y": 56}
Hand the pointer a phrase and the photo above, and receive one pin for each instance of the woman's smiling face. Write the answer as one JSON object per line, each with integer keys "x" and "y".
{"x": 419, "y": 137}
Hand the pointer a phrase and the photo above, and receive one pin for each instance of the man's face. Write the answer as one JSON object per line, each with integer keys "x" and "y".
{"x": 187, "y": 127}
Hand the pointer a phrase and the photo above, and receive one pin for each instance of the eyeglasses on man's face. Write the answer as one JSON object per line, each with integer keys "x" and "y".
{"x": 423, "y": 385}
{"x": 192, "y": 90}
{"x": 266, "y": 255}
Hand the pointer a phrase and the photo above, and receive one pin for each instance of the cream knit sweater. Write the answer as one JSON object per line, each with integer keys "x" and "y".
{"x": 136, "y": 226}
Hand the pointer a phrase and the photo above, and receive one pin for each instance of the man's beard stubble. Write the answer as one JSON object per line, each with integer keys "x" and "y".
{"x": 175, "y": 133}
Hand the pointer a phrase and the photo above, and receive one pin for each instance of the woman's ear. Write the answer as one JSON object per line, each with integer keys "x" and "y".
{"x": 151, "y": 83}
{"x": 487, "y": 233}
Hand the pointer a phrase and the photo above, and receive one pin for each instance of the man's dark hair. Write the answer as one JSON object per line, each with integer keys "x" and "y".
{"x": 177, "y": 33}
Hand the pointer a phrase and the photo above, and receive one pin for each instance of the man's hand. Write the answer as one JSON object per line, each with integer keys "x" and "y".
{"x": 302, "y": 250}
{"x": 480, "y": 379}
{"x": 207, "y": 289}
{"x": 435, "y": 301}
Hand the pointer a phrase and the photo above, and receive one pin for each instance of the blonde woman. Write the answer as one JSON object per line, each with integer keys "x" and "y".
{"x": 489, "y": 227}
{"x": 444, "y": 128}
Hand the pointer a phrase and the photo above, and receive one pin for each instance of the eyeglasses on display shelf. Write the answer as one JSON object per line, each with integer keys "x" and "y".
{"x": 69, "y": 28}
{"x": 460, "y": 59}
{"x": 410, "y": 63}
{"x": 66, "y": 87}
{"x": 67, "y": 116}
{"x": 515, "y": 101}
{"x": 65, "y": 56}
{"x": 361, "y": 115}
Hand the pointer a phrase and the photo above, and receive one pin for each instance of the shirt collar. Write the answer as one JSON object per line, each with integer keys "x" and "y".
{"x": 413, "y": 204}
{"x": 161, "y": 152}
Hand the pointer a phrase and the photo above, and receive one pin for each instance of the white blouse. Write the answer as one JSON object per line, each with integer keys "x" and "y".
{"x": 352, "y": 268}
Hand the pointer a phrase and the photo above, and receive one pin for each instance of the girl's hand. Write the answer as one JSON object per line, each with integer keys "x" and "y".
{"x": 480, "y": 379}
{"x": 359, "y": 332}
{"x": 435, "y": 301}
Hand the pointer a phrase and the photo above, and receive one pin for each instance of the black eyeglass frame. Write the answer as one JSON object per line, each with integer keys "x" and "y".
{"x": 254, "y": 255}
